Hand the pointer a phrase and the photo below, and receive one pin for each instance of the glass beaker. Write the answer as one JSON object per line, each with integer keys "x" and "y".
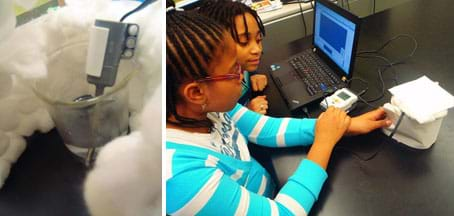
{"x": 84, "y": 122}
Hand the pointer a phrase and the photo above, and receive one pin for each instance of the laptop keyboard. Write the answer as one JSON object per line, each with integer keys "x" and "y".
{"x": 316, "y": 75}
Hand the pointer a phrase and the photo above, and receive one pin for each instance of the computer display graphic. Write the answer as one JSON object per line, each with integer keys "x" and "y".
{"x": 332, "y": 33}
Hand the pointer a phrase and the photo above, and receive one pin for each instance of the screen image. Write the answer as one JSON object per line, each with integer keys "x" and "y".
{"x": 343, "y": 96}
{"x": 334, "y": 35}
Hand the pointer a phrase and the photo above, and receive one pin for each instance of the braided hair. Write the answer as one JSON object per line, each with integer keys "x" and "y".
{"x": 225, "y": 11}
{"x": 192, "y": 41}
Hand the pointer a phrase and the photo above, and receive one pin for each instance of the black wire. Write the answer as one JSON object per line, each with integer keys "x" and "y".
{"x": 358, "y": 156}
{"x": 306, "y": 112}
{"x": 373, "y": 155}
{"x": 348, "y": 5}
{"x": 389, "y": 64}
{"x": 325, "y": 95}
{"x": 397, "y": 125}
{"x": 362, "y": 92}
{"x": 294, "y": 2}
{"x": 302, "y": 16}
{"x": 389, "y": 42}
{"x": 362, "y": 80}
{"x": 367, "y": 103}
{"x": 138, "y": 8}
{"x": 380, "y": 74}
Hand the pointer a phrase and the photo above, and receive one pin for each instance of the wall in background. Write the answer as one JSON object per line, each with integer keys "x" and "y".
{"x": 288, "y": 28}
{"x": 40, "y": 8}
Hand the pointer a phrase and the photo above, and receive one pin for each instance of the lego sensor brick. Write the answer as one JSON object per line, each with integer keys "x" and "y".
{"x": 121, "y": 42}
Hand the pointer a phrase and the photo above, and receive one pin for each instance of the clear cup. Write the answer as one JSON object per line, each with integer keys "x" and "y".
{"x": 84, "y": 122}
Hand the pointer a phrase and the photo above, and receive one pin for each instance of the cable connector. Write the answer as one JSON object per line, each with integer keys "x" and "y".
{"x": 109, "y": 42}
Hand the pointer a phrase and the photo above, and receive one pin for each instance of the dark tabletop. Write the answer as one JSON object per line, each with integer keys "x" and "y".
{"x": 46, "y": 180}
{"x": 399, "y": 180}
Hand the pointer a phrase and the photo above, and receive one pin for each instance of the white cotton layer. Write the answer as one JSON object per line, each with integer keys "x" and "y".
{"x": 51, "y": 50}
{"x": 126, "y": 179}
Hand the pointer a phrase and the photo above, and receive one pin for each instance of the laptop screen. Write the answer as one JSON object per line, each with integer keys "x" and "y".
{"x": 334, "y": 35}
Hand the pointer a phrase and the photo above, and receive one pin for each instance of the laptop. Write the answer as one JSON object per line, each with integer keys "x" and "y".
{"x": 312, "y": 74}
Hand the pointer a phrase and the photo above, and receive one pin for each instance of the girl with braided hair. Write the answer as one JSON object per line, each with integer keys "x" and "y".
{"x": 247, "y": 30}
{"x": 209, "y": 170}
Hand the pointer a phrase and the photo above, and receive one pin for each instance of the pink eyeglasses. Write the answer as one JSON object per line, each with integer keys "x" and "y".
{"x": 237, "y": 71}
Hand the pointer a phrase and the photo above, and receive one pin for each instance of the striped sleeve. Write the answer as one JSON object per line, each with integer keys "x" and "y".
{"x": 208, "y": 191}
{"x": 273, "y": 132}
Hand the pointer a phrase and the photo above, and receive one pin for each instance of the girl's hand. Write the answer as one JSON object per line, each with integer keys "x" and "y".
{"x": 331, "y": 126}
{"x": 258, "y": 82}
{"x": 258, "y": 104}
{"x": 368, "y": 122}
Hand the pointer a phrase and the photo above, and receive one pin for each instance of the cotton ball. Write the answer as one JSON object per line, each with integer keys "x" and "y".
{"x": 8, "y": 115}
{"x": 137, "y": 91}
{"x": 4, "y": 143}
{"x": 136, "y": 84}
{"x": 116, "y": 10}
{"x": 27, "y": 42}
{"x": 66, "y": 75}
{"x": 120, "y": 182}
{"x": 70, "y": 62}
{"x": 6, "y": 84}
{"x": 5, "y": 167}
{"x": 151, "y": 121}
{"x": 66, "y": 27}
{"x": 26, "y": 126}
{"x": 134, "y": 121}
{"x": 17, "y": 121}
{"x": 39, "y": 120}
{"x": 147, "y": 54}
{"x": 28, "y": 105}
{"x": 149, "y": 49}
{"x": 70, "y": 24}
{"x": 23, "y": 98}
{"x": 26, "y": 55}
{"x": 30, "y": 66}
{"x": 21, "y": 87}
{"x": 8, "y": 20}
{"x": 126, "y": 179}
{"x": 151, "y": 129}
{"x": 45, "y": 123}
{"x": 15, "y": 149}
{"x": 22, "y": 104}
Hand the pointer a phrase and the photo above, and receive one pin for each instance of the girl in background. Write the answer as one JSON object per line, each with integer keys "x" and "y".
{"x": 247, "y": 30}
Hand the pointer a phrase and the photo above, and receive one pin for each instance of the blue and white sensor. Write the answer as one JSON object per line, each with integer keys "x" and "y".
{"x": 343, "y": 99}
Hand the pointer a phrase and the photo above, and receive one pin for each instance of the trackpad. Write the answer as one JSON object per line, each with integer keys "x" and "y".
{"x": 294, "y": 90}
{"x": 286, "y": 78}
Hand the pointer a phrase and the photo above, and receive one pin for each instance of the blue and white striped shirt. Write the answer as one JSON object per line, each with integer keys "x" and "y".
{"x": 213, "y": 174}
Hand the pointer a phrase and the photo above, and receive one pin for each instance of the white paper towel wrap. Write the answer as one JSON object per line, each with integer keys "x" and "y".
{"x": 425, "y": 104}
{"x": 422, "y": 99}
